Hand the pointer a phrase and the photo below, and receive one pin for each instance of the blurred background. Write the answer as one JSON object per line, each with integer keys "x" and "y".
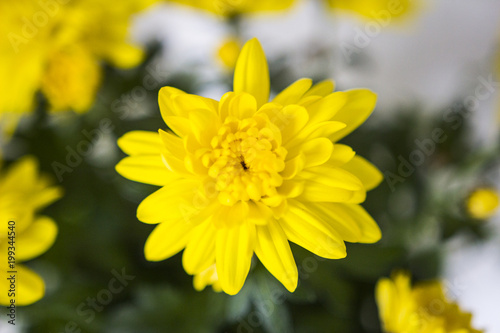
{"x": 433, "y": 64}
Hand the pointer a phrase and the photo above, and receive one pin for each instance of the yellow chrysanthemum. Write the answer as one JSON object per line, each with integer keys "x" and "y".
{"x": 235, "y": 7}
{"x": 423, "y": 308}
{"x": 58, "y": 49}
{"x": 245, "y": 175}
{"x": 373, "y": 9}
{"x": 483, "y": 203}
{"x": 23, "y": 192}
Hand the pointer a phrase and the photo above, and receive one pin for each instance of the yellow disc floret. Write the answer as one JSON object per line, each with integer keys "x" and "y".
{"x": 246, "y": 160}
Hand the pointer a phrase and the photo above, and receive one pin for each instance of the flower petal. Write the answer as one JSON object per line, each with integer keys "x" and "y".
{"x": 343, "y": 223}
{"x": 166, "y": 97}
{"x": 233, "y": 251}
{"x": 167, "y": 239}
{"x": 293, "y": 119}
{"x": 370, "y": 231}
{"x": 316, "y": 151}
{"x": 359, "y": 106}
{"x": 207, "y": 277}
{"x": 29, "y": 287}
{"x": 242, "y": 105}
{"x": 172, "y": 144}
{"x": 369, "y": 175}
{"x": 316, "y": 130}
{"x": 334, "y": 177}
{"x": 47, "y": 196}
{"x": 148, "y": 169}
{"x": 140, "y": 143}
{"x": 170, "y": 203}
{"x": 185, "y": 103}
{"x": 326, "y": 108}
{"x": 251, "y": 74}
{"x": 323, "y": 89}
{"x": 36, "y": 239}
{"x": 274, "y": 252}
{"x": 200, "y": 249}
{"x": 315, "y": 191}
{"x": 341, "y": 154}
{"x": 293, "y": 93}
{"x": 315, "y": 235}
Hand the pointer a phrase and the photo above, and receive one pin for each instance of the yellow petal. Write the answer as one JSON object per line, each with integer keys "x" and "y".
{"x": 291, "y": 188}
{"x": 386, "y": 296}
{"x": 259, "y": 213}
{"x": 316, "y": 152}
{"x": 172, "y": 144}
{"x": 369, "y": 175}
{"x": 36, "y": 239}
{"x": 293, "y": 93}
{"x": 140, "y": 143}
{"x": 200, "y": 249}
{"x": 274, "y": 252}
{"x": 370, "y": 232}
{"x": 251, "y": 74}
{"x": 334, "y": 177}
{"x": 293, "y": 166}
{"x": 323, "y": 89}
{"x": 242, "y": 105}
{"x": 207, "y": 277}
{"x": 20, "y": 175}
{"x": 341, "y": 154}
{"x": 179, "y": 125}
{"x": 224, "y": 105}
{"x": 29, "y": 287}
{"x": 204, "y": 125}
{"x": 359, "y": 106}
{"x": 326, "y": 108}
{"x": 292, "y": 121}
{"x": 170, "y": 203}
{"x": 309, "y": 231}
{"x": 167, "y": 239}
{"x": 318, "y": 192}
{"x": 166, "y": 101}
{"x": 183, "y": 104}
{"x": 233, "y": 251}
{"x": 148, "y": 169}
{"x": 47, "y": 196}
{"x": 344, "y": 224}
{"x": 316, "y": 130}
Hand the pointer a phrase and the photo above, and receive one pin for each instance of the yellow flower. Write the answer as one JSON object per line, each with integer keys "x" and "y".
{"x": 236, "y": 7}
{"x": 229, "y": 51}
{"x": 421, "y": 309}
{"x": 483, "y": 203}
{"x": 58, "y": 49}
{"x": 23, "y": 192}
{"x": 242, "y": 175}
{"x": 372, "y": 9}
{"x": 71, "y": 79}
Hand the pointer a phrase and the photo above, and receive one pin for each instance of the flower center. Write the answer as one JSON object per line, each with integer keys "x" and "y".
{"x": 245, "y": 160}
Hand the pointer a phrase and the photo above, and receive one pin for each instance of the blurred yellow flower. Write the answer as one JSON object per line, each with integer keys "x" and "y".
{"x": 229, "y": 51}
{"x": 230, "y": 8}
{"x": 57, "y": 47}
{"x": 373, "y": 9}
{"x": 23, "y": 192}
{"x": 483, "y": 203}
{"x": 423, "y": 308}
{"x": 245, "y": 175}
